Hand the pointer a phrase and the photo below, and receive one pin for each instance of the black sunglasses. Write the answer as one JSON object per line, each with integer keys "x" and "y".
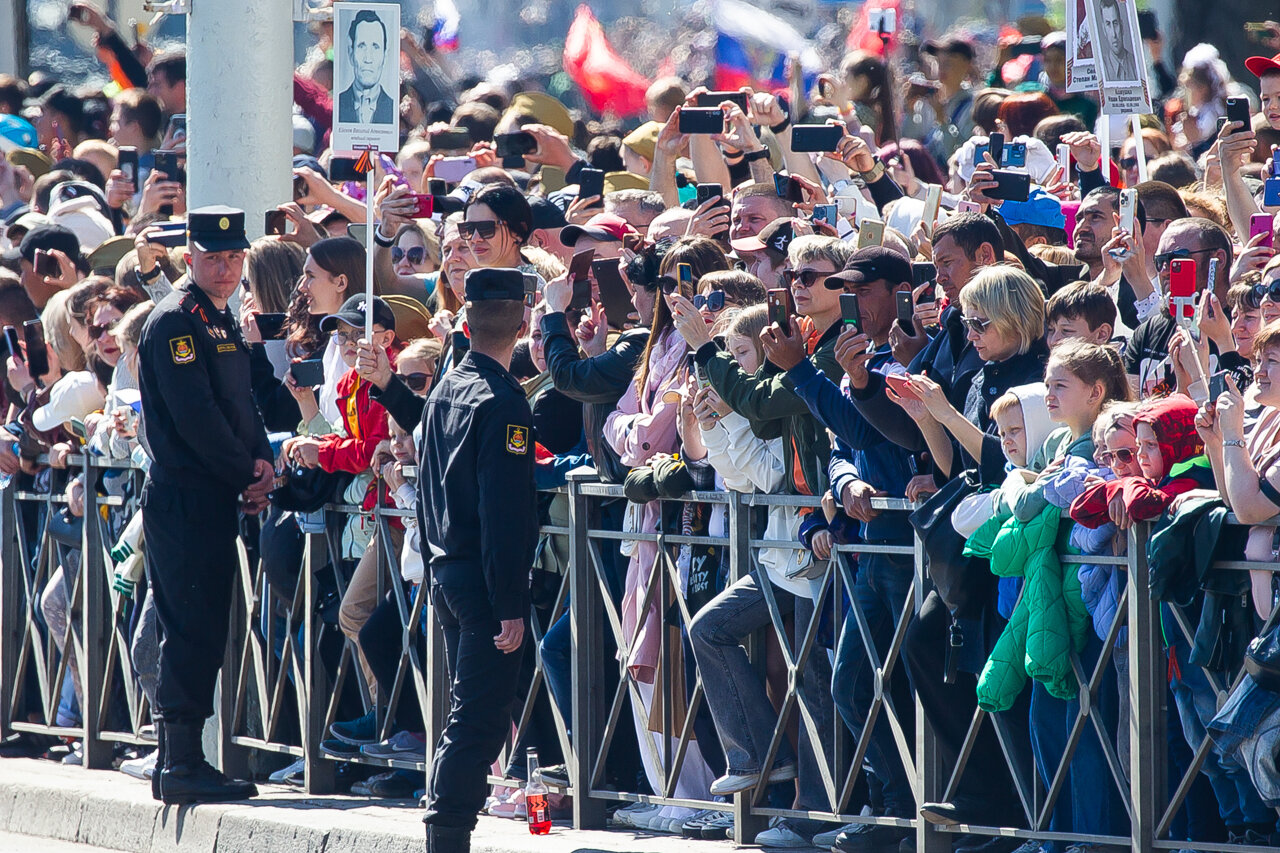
{"x": 417, "y": 382}
{"x": 977, "y": 325}
{"x": 713, "y": 301}
{"x": 485, "y": 230}
{"x": 1128, "y": 162}
{"x": 667, "y": 284}
{"x": 415, "y": 255}
{"x": 95, "y": 331}
{"x": 1266, "y": 289}
{"x": 1163, "y": 258}
{"x": 807, "y": 278}
{"x": 1124, "y": 456}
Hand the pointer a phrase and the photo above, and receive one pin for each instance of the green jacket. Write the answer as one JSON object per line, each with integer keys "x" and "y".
{"x": 1048, "y": 623}
{"x": 769, "y": 401}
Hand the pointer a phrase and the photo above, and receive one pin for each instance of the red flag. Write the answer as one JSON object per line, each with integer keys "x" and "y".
{"x": 607, "y": 82}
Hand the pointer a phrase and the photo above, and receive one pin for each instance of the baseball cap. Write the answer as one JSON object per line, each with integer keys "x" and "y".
{"x": 869, "y": 264}
{"x": 15, "y": 133}
{"x": 1260, "y": 65}
{"x": 1040, "y": 208}
{"x": 18, "y": 225}
{"x": 82, "y": 216}
{"x": 775, "y": 238}
{"x": 952, "y": 44}
{"x": 73, "y": 396}
{"x": 493, "y": 283}
{"x": 602, "y": 226}
{"x": 304, "y": 134}
{"x": 306, "y": 161}
{"x": 546, "y": 214}
{"x": 352, "y": 313}
{"x": 216, "y": 228}
{"x": 47, "y": 237}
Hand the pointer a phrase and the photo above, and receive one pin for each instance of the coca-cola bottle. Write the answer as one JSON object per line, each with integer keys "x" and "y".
{"x": 535, "y": 797}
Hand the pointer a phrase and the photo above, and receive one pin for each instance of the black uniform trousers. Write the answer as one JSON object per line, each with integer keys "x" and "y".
{"x": 483, "y": 683}
{"x": 190, "y": 536}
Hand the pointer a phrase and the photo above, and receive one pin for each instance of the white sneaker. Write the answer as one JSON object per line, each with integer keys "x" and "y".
{"x": 139, "y": 768}
{"x": 734, "y": 782}
{"x": 628, "y": 815}
{"x": 75, "y": 757}
{"x": 780, "y": 834}
{"x": 282, "y": 775}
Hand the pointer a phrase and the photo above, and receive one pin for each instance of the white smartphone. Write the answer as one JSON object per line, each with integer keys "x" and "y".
{"x": 964, "y": 206}
{"x": 1128, "y": 207}
{"x": 454, "y": 169}
{"x": 932, "y": 200}
{"x": 1064, "y": 160}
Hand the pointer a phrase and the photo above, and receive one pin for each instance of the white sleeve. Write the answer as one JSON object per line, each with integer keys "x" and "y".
{"x": 717, "y": 442}
{"x": 759, "y": 460}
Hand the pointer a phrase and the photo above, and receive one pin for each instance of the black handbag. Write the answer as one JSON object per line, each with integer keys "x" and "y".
{"x": 1262, "y": 659}
{"x": 963, "y": 583}
{"x": 309, "y": 489}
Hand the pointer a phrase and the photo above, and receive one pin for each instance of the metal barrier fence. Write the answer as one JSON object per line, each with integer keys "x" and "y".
{"x": 290, "y": 673}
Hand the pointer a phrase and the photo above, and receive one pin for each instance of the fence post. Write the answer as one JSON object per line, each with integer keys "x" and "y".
{"x": 319, "y": 772}
{"x": 746, "y": 823}
{"x": 930, "y": 780}
{"x": 233, "y": 760}
{"x": 12, "y": 612}
{"x": 587, "y": 631}
{"x": 93, "y": 586}
{"x": 1147, "y": 690}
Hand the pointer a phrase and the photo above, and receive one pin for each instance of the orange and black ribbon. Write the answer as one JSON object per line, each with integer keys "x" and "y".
{"x": 365, "y": 164}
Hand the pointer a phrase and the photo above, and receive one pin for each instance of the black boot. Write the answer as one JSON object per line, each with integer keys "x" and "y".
{"x": 448, "y": 839}
{"x": 188, "y": 778}
{"x": 155, "y": 774}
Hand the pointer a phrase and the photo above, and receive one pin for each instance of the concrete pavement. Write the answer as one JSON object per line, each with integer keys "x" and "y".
{"x": 105, "y": 809}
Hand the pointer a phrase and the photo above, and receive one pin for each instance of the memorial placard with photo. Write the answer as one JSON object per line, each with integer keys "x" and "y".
{"x": 1081, "y": 74}
{"x": 1118, "y": 57}
{"x": 366, "y": 76}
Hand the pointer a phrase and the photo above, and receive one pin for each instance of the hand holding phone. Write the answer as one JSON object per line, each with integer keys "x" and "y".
{"x": 1262, "y": 223}
{"x": 781, "y": 307}
{"x": 899, "y": 385}
{"x": 274, "y": 223}
{"x": 850, "y": 313}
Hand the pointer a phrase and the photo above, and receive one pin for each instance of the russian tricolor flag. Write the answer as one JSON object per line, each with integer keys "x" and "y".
{"x": 753, "y": 45}
{"x": 445, "y": 29}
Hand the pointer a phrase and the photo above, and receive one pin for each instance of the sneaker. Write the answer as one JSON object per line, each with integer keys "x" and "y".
{"x": 335, "y": 748}
{"x": 357, "y": 732}
{"x": 784, "y": 832}
{"x": 399, "y": 745}
{"x": 692, "y": 828}
{"x": 1030, "y": 847}
{"x": 139, "y": 768}
{"x": 512, "y": 808}
{"x": 719, "y": 828}
{"x": 626, "y": 815}
{"x": 75, "y": 757}
{"x": 732, "y": 783}
{"x": 824, "y": 840}
{"x": 363, "y": 788}
{"x": 556, "y": 776}
{"x": 392, "y": 785}
{"x": 281, "y": 775}
{"x": 868, "y": 838}
{"x": 1249, "y": 836}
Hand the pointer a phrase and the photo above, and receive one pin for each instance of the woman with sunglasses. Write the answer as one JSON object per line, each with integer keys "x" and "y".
{"x": 405, "y": 258}
{"x": 496, "y": 225}
{"x": 727, "y": 289}
{"x": 644, "y": 426}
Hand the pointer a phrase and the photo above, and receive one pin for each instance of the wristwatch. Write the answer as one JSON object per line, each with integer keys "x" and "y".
{"x": 758, "y": 154}
{"x": 874, "y": 174}
{"x": 1233, "y": 442}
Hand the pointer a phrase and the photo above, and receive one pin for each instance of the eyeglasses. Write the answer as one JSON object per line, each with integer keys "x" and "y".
{"x": 1123, "y": 456}
{"x": 417, "y": 382}
{"x": 349, "y": 337}
{"x": 1128, "y": 162}
{"x": 713, "y": 301}
{"x": 1163, "y": 258}
{"x": 483, "y": 230}
{"x": 806, "y": 278}
{"x": 666, "y": 283}
{"x": 977, "y": 325}
{"x": 1269, "y": 289}
{"x": 416, "y": 255}
{"x": 96, "y": 331}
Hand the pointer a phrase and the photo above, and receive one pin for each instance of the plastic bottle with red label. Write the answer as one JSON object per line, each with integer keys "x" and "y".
{"x": 535, "y": 797}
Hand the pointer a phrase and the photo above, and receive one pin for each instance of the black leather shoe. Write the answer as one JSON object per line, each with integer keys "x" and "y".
{"x": 160, "y": 752}
{"x": 448, "y": 839}
{"x": 869, "y": 838}
{"x": 197, "y": 782}
{"x": 987, "y": 844}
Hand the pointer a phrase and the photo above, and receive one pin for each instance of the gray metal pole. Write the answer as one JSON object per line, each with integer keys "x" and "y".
{"x": 239, "y": 94}
{"x": 14, "y": 44}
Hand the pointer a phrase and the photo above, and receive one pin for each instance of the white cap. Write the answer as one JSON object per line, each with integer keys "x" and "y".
{"x": 75, "y": 395}
{"x": 85, "y": 219}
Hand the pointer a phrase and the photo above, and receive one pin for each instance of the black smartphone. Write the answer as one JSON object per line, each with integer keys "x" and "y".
{"x": 922, "y": 272}
{"x": 1016, "y": 154}
{"x": 996, "y": 143}
{"x": 516, "y": 144}
{"x": 437, "y": 187}
{"x": 447, "y": 204}
{"x": 1238, "y": 110}
{"x": 299, "y": 188}
{"x": 271, "y": 326}
{"x": 274, "y": 222}
{"x": 614, "y": 296}
{"x": 37, "y": 353}
{"x": 850, "y": 314}
{"x": 701, "y": 120}
{"x": 591, "y": 182}
{"x": 170, "y": 235}
{"x": 828, "y": 213}
{"x": 580, "y": 278}
{"x": 715, "y": 99}
{"x": 1217, "y": 384}
{"x": 46, "y": 264}
{"x": 781, "y": 307}
{"x": 343, "y": 169}
{"x": 177, "y": 127}
{"x": 708, "y": 191}
{"x": 167, "y": 162}
{"x": 806, "y": 138}
{"x": 906, "y": 310}
{"x": 788, "y": 188}
{"x": 11, "y": 343}
{"x": 1010, "y": 186}
{"x": 308, "y": 373}
{"x": 450, "y": 140}
{"x": 127, "y": 162}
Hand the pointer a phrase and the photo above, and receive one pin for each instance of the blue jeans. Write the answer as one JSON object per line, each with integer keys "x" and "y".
{"x": 1238, "y": 800}
{"x": 881, "y": 588}
{"x": 735, "y": 693}
{"x": 1089, "y": 802}
{"x": 557, "y": 664}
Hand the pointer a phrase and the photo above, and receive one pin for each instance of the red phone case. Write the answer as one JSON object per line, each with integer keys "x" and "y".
{"x": 1182, "y": 288}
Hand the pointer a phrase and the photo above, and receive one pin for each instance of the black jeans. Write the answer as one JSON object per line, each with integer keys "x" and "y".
{"x": 483, "y": 682}
{"x": 380, "y": 641}
{"x": 191, "y": 563}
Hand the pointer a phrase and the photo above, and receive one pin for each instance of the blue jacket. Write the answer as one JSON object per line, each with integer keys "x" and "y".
{"x": 861, "y": 451}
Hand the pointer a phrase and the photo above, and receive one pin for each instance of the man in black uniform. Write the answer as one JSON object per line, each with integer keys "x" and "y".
{"x": 209, "y": 460}
{"x": 478, "y": 513}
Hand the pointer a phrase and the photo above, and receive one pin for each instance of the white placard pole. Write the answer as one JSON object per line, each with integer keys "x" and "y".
{"x": 1104, "y": 139}
{"x": 1139, "y": 149}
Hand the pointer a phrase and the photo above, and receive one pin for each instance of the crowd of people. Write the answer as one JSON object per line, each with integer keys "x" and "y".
{"x": 877, "y": 318}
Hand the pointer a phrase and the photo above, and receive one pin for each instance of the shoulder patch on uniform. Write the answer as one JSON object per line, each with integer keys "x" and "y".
{"x": 517, "y": 439}
{"x": 182, "y": 349}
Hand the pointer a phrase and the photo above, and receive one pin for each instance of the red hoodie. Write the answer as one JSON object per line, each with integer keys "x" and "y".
{"x": 365, "y": 422}
{"x": 1172, "y": 419}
